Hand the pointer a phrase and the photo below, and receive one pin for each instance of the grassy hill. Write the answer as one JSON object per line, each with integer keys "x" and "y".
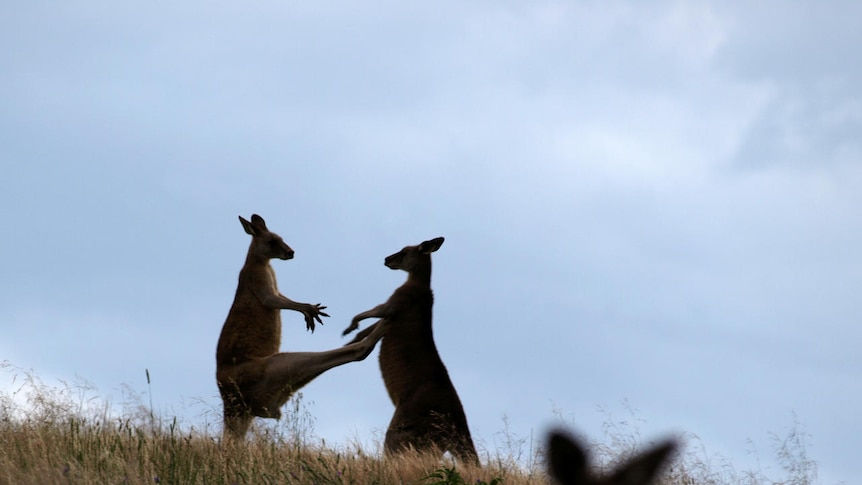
{"x": 60, "y": 435}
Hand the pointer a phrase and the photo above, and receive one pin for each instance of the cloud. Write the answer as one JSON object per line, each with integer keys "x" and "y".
{"x": 799, "y": 54}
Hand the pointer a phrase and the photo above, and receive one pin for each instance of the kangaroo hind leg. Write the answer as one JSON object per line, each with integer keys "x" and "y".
{"x": 287, "y": 372}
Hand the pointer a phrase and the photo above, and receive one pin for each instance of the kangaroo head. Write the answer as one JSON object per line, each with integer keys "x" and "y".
{"x": 413, "y": 257}
{"x": 567, "y": 463}
{"x": 265, "y": 245}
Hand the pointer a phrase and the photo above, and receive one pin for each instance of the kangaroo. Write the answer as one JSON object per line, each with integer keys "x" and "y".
{"x": 567, "y": 463}
{"x": 253, "y": 378}
{"x": 428, "y": 414}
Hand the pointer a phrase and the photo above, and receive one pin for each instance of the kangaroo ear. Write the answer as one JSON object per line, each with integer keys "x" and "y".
{"x": 258, "y": 221}
{"x": 249, "y": 229}
{"x": 642, "y": 468}
{"x": 430, "y": 246}
{"x": 567, "y": 461}
{"x": 255, "y": 227}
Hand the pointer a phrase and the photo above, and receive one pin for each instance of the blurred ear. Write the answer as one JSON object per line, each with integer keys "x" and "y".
{"x": 567, "y": 461}
{"x": 430, "y": 246}
{"x": 644, "y": 467}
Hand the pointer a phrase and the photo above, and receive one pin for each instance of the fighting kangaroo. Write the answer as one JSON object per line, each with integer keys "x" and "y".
{"x": 567, "y": 463}
{"x": 428, "y": 413}
{"x": 254, "y": 379}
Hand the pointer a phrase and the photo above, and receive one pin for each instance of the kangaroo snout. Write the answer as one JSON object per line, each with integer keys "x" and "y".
{"x": 281, "y": 250}
{"x": 390, "y": 262}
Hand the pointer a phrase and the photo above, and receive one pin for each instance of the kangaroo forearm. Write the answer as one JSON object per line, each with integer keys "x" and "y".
{"x": 363, "y": 333}
{"x": 278, "y": 301}
{"x": 377, "y": 312}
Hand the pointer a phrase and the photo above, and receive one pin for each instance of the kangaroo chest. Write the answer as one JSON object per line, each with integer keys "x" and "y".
{"x": 408, "y": 360}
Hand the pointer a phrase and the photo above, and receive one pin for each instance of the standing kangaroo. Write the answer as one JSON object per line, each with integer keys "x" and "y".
{"x": 254, "y": 379}
{"x": 567, "y": 463}
{"x": 428, "y": 413}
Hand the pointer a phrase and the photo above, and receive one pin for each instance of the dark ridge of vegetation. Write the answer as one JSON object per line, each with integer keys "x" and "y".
{"x": 63, "y": 434}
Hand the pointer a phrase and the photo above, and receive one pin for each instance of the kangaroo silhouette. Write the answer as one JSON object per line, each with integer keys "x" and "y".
{"x": 253, "y": 378}
{"x": 428, "y": 413}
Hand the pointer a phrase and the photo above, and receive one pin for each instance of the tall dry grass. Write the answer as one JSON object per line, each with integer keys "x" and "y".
{"x": 66, "y": 434}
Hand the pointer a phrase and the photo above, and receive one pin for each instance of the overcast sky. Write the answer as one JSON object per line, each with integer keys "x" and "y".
{"x": 656, "y": 202}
